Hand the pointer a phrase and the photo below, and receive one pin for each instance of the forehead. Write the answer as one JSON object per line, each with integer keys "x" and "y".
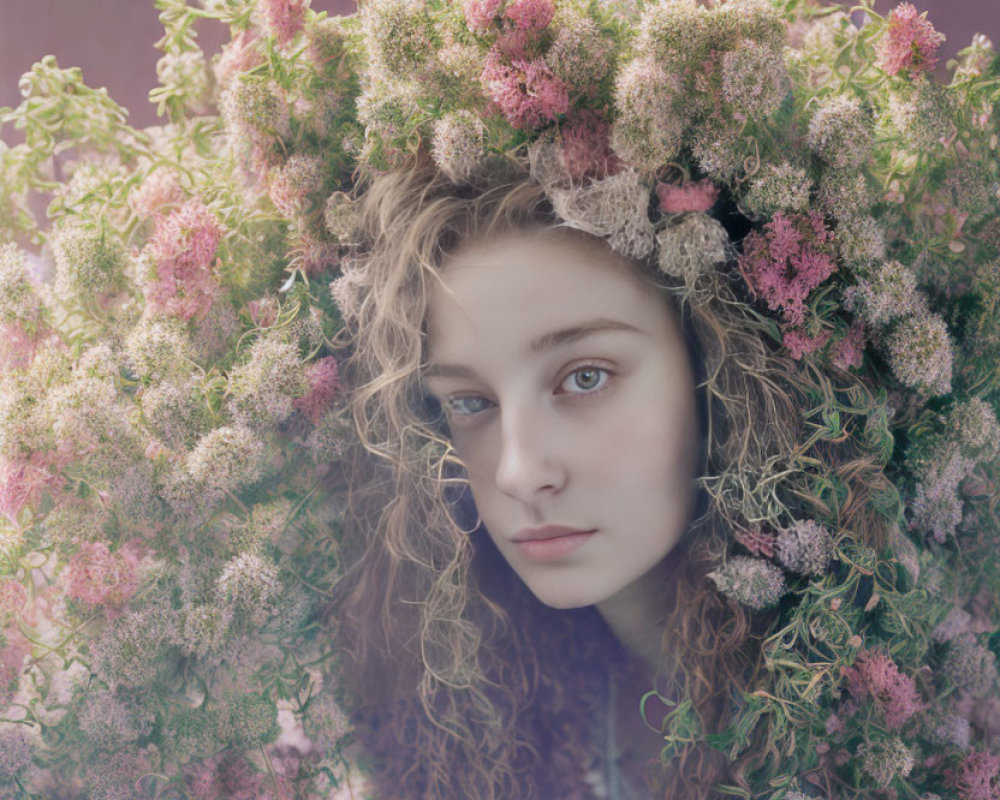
{"x": 522, "y": 285}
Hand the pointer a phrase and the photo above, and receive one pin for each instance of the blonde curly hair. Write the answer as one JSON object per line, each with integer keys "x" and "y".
{"x": 455, "y": 693}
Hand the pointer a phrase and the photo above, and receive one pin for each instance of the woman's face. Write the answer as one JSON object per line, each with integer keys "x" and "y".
{"x": 570, "y": 399}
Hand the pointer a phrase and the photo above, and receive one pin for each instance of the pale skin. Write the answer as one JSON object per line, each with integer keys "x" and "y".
{"x": 570, "y": 399}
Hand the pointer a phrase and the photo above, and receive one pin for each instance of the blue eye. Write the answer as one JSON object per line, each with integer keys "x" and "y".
{"x": 466, "y": 405}
{"x": 585, "y": 379}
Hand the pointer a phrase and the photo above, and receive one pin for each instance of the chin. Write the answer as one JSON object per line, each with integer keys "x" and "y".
{"x": 565, "y": 601}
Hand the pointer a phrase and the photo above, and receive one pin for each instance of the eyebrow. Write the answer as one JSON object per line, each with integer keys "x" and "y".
{"x": 546, "y": 341}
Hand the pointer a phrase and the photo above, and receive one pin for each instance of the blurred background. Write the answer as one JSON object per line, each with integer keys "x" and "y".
{"x": 112, "y": 40}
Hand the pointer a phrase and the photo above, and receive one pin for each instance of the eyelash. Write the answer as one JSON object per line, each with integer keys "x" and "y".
{"x": 452, "y": 412}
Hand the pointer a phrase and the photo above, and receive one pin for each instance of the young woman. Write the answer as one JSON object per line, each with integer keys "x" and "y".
{"x": 556, "y": 446}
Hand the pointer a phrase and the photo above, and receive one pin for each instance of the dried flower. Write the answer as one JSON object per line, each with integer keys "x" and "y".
{"x": 875, "y": 674}
{"x": 183, "y": 248}
{"x": 778, "y": 187}
{"x": 580, "y": 55}
{"x": 282, "y": 19}
{"x": 527, "y": 93}
{"x": 226, "y": 459}
{"x": 291, "y": 185}
{"x": 922, "y": 115}
{"x": 754, "y": 79}
{"x": 111, "y": 720}
{"x": 970, "y": 665}
{"x": 890, "y": 291}
{"x": 693, "y": 196}
{"x": 844, "y": 194}
{"x": 799, "y": 342}
{"x": 977, "y": 777}
{"x": 806, "y": 547}
{"x": 324, "y": 385}
{"x": 790, "y": 259}
{"x": 751, "y": 581}
{"x": 957, "y": 621}
{"x": 240, "y": 54}
{"x": 88, "y": 262}
{"x": 909, "y": 42}
{"x": 861, "y": 241}
{"x": 249, "y": 584}
{"x": 585, "y": 146}
{"x": 15, "y": 751}
{"x": 263, "y": 391}
{"x": 19, "y": 302}
{"x": 840, "y": 132}
{"x": 458, "y": 146}
{"x": 99, "y": 577}
{"x": 647, "y": 131}
{"x": 920, "y": 353}
{"x": 848, "y": 351}
{"x": 159, "y": 349}
{"x": 974, "y": 423}
{"x": 886, "y": 759}
{"x": 690, "y": 248}
{"x": 400, "y": 36}
{"x": 480, "y": 14}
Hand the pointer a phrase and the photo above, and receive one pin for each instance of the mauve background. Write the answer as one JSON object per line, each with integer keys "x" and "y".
{"x": 112, "y": 40}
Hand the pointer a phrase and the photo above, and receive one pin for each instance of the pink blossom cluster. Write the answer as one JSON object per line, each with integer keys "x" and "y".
{"x": 849, "y": 351}
{"x": 479, "y": 14}
{"x": 182, "y": 249}
{"x": 754, "y": 582}
{"x": 531, "y": 16}
{"x": 230, "y": 776}
{"x": 17, "y": 346}
{"x": 585, "y": 146}
{"x": 13, "y": 597}
{"x": 25, "y": 478}
{"x": 800, "y": 343}
{"x": 526, "y": 92}
{"x": 791, "y": 258}
{"x": 692, "y": 196}
{"x": 283, "y": 19}
{"x": 876, "y": 675}
{"x": 909, "y": 43}
{"x": 324, "y": 385}
{"x": 160, "y": 188}
{"x": 13, "y": 652}
{"x": 100, "y": 577}
{"x": 977, "y": 777}
{"x": 241, "y": 54}
{"x": 937, "y": 505}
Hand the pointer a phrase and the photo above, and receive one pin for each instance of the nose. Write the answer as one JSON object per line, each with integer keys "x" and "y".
{"x": 528, "y": 465}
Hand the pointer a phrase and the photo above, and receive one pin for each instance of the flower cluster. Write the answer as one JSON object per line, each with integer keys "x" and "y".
{"x": 170, "y": 385}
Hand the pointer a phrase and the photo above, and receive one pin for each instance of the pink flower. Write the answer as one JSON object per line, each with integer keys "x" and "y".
{"x": 182, "y": 248}
{"x": 17, "y": 347}
{"x": 324, "y": 385}
{"x": 876, "y": 674}
{"x": 531, "y": 15}
{"x": 479, "y": 14}
{"x": 13, "y": 597}
{"x": 693, "y": 196}
{"x": 526, "y": 92}
{"x": 799, "y": 343}
{"x": 909, "y": 43}
{"x": 264, "y": 312}
{"x": 238, "y": 55}
{"x": 99, "y": 577}
{"x": 784, "y": 264}
{"x": 585, "y": 147}
{"x": 848, "y": 352}
{"x": 159, "y": 188}
{"x": 22, "y": 481}
{"x": 12, "y": 657}
{"x": 283, "y": 19}
{"x": 977, "y": 777}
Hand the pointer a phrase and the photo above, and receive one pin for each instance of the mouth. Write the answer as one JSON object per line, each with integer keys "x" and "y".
{"x": 550, "y": 542}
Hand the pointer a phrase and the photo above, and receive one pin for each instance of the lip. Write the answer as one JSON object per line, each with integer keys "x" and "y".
{"x": 550, "y": 542}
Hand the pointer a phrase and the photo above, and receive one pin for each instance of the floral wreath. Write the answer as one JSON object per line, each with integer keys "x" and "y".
{"x": 170, "y": 404}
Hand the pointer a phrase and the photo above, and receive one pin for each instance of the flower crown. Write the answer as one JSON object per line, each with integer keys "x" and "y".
{"x": 169, "y": 400}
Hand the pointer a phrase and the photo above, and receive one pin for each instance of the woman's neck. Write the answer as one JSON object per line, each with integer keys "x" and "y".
{"x": 635, "y": 615}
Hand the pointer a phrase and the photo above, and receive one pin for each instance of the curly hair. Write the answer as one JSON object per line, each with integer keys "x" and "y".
{"x": 462, "y": 683}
